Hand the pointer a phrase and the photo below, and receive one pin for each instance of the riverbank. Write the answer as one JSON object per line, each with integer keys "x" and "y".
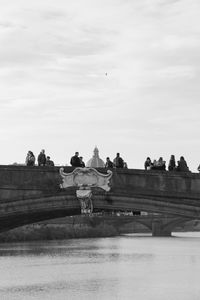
{"x": 82, "y": 227}
{"x": 72, "y": 227}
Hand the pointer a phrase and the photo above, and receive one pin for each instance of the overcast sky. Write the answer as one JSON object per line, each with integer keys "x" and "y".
{"x": 122, "y": 75}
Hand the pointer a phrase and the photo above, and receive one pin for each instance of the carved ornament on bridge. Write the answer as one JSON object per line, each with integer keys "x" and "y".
{"x": 85, "y": 179}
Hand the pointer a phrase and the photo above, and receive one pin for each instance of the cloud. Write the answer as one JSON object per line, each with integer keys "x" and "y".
{"x": 6, "y": 25}
{"x": 53, "y": 59}
{"x": 176, "y": 42}
{"x": 176, "y": 71}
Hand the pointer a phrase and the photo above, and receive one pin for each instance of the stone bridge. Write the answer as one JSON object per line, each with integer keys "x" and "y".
{"x": 33, "y": 194}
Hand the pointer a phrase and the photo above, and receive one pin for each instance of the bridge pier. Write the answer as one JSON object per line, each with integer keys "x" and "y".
{"x": 158, "y": 230}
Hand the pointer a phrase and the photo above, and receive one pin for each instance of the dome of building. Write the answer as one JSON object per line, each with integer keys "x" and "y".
{"x": 95, "y": 161}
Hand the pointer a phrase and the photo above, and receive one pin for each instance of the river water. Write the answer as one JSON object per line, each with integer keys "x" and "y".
{"x": 125, "y": 267}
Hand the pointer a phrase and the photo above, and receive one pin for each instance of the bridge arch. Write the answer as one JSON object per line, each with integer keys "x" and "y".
{"x": 31, "y": 194}
{"x": 23, "y": 212}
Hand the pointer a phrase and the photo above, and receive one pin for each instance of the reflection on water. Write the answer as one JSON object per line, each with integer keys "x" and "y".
{"x": 126, "y": 267}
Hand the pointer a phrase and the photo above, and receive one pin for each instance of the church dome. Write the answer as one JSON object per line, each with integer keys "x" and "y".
{"x": 95, "y": 161}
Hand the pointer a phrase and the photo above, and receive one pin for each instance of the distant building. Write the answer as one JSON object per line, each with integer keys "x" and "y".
{"x": 95, "y": 161}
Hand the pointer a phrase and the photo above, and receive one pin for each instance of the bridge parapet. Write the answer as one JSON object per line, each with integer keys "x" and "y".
{"x": 30, "y": 194}
{"x": 48, "y": 178}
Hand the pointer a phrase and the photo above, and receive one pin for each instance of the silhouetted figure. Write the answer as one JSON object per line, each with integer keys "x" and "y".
{"x": 49, "y": 162}
{"x": 161, "y": 164}
{"x": 154, "y": 165}
{"x": 42, "y": 158}
{"x": 172, "y": 163}
{"x": 147, "y": 164}
{"x": 109, "y": 163}
{"x": 182, "y": 165}
{"x": 198, "y": 168}
{"x": 82, "y": 162}
{"x": 118, "y": 162}
{"x": 125, "y": 165}
{"x": 30, "y": 159}
{"x": 75, "y": 160}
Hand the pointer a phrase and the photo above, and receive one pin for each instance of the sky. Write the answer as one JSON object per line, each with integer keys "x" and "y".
{"x": 122, "y": 75}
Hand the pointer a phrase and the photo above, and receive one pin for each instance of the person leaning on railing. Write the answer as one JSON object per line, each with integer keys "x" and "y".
{"x": 172, "y": 163}
{"x": 182, "y": 165}
{"x": 147, "y": 164}
{"x": 30, "y": 159}
{"x": 109, "y": 163}
{"x": 118, "y": 161}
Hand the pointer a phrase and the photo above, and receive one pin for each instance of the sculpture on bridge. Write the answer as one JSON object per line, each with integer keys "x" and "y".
{"x": 84, "y": 179}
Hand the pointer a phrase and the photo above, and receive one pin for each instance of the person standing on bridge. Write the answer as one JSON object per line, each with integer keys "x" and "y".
{"x": 30, "y": 159}
{"x": 118, "y": 162}
{"x": 172, "y": 163}
{"x": 75, "y": 160}
{"x": 42, "y": 158}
